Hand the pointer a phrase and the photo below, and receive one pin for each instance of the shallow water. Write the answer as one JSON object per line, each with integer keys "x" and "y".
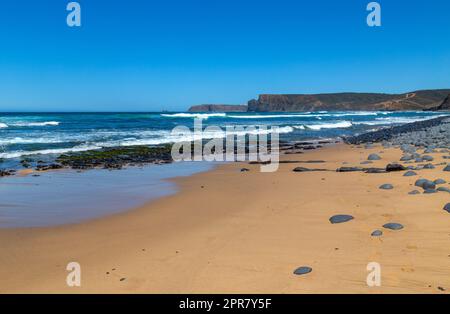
{"x": 63, "y": 197}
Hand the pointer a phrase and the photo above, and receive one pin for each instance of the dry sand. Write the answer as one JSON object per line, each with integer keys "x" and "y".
{"x": 246, "y": 232}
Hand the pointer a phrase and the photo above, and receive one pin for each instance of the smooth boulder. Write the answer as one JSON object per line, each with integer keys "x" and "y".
{"x": 393, "y": 226}
{"x": 337, "y": 219}
{"x": 303, "y": 270}
{"x": 374, "y": 157}
{"x": 386, "y": 186}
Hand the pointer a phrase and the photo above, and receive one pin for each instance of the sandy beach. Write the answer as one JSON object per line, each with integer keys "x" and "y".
{"x": 228, "y": 231}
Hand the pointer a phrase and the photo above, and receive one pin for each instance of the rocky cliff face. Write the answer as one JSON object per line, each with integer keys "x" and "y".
{"x": 218, "y": 108}
{"x": 418, "y": 100}
{"x": 444, "y": 106}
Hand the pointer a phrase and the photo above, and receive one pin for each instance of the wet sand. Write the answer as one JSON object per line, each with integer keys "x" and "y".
{"x": 228, "y": 231}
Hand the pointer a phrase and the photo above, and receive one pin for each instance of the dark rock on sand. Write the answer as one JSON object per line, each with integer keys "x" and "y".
{"x": 420, "y": 182}
{"x": 374, "y": 157}
{"x": 427, "y": 158}
{"x": 377, "y": 233}
{"x": 429, "y": 191}
{"x": 302, "y": 270}
{"x": 303, "y": 169}
{"x": 439, "y": 181}
{"x": 447, "y": 207}
{"x": 429, "y": 185}
{"x": 395, "y": 167}
{"x": 393, "y": 226}
{"x": 407, "y": 158}
{"x": 443, "y": 189}
{"x": 386, "y": 186}
{"x": 447, "y": 168}
{"x": 340, "y": 219}
{"x": 245, "y": 170}
{"x": 349, "y": 169}
{"x": 410, "y": 174}
{"x": 414, "y": 192}
{"x": 375, "y": 170}
{"x": 429, "y": 166}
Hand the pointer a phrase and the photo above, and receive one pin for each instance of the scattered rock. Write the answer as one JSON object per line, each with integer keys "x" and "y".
{"x": 374, "y": 157}
{"x": 439, "y": 181}
{"x": 447, "y": 168}
{"x": 393, "y": 226}
{"x": 429, "y": 185}
{"x": 443, "y": 189}
{"x": 245, "y": 170}
{"x": 420, "y": 182}
{"x": 414, "y": 192}
{"x": 407, "y": 158}
{"x": 349, "y": 169}
{"x": 337, "y": 219}
{"x": 395, "y": 167}
{"x": 386, "y": 186}
{"x": 410, "y": 174}
{"x": 375, "y": 170}
{"x": 377, "y": 233}
{"x": 302, "y": 270}
{"x": 303, "y": 169}
{"x": 447, "y": 207}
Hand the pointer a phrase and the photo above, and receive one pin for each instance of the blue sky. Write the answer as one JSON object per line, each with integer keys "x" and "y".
{"x": 145, "y": 55}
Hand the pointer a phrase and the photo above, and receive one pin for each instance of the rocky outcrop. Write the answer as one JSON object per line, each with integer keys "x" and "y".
{"x": 444, "y": 106}
{"x": 418, "y": 100}
{"x": 218, "y": 108}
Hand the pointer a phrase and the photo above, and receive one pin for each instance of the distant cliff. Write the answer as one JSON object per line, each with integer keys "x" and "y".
{"x": 218, "y": 108}
{"x": 444, "y": 106}
{"x": 418, "y": 100}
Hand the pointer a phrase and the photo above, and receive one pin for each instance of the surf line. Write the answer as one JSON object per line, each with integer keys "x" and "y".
{"x": 237, "y": 148}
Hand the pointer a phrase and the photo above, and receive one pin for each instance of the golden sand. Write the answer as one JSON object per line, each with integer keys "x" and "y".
{"x": 246, "y": 232}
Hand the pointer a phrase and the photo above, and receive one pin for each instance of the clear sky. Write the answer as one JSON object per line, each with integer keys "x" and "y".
{"x": 149, "y": 55}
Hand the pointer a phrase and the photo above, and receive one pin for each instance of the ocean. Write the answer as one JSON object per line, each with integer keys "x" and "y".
{"x": 51, "y": 134}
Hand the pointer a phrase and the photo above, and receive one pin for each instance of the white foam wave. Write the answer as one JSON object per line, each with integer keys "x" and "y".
{"x": 203, "y": 116}
{"x": 270, "y": 116}
{"x": 3, "y": 125}
{"x": 165, "y": 138}
{"x": 46, "y": 123}
{"x": 21, "y": 140}
{"x": 396, "y": 120}
{"x": 17, "y": 154}
{"x": 337, "y": 125}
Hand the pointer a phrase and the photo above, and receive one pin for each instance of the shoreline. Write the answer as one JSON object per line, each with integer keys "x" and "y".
{"x": 202, "y": 241}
